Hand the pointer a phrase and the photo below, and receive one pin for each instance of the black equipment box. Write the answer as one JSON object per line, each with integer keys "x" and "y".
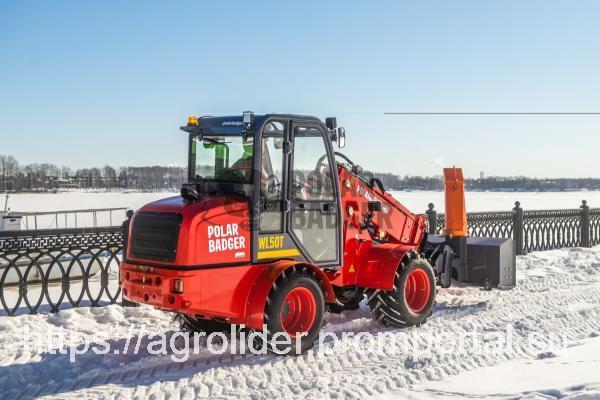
{"x": 479, "y": 261}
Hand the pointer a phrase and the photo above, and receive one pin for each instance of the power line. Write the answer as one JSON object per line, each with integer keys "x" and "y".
{"x": 491, "y": 113}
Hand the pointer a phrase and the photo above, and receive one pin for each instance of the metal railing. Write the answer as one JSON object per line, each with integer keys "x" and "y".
{"x": 532, "y": 230}
{"x": 50, "y": 269}
{"x": 46, "y": 270}
{"x": 30, "y": 220}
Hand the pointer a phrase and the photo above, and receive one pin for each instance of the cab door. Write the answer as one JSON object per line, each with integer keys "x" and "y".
{"x": 313, "y": 195}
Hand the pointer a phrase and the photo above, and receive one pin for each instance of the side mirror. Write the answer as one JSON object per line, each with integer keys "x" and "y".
{"x": 341, "y": 137}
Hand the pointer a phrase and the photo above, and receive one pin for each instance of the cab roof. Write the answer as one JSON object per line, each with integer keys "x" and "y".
{"x": 233, "y": 125}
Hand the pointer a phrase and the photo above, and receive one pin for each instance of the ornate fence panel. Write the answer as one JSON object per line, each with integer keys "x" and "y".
{"x": 594, "y": 226}
{"x": 440, "y": 223}
{"x": 532, "y": 230}
{"x": 51, "y": 269}
{"x": 490, "y": 224}
{"x": 551, "y": 229}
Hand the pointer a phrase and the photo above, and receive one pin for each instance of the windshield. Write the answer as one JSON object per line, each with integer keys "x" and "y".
{"x": 221, "y": 158}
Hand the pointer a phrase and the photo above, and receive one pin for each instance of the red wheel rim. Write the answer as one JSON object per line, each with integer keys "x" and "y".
{"x": 298, "y": 311}
{"x": 417, "y": 290}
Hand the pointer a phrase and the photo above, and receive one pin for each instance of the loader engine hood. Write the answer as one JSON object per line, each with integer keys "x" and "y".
{"x": 211, "y": 231}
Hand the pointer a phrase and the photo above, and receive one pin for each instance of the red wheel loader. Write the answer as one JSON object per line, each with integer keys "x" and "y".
{"x": 274, "y": 229}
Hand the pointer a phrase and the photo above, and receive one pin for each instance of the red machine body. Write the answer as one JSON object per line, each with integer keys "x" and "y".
{"x": 234, "y": 289}
{"x": 371, "y": 258}
{"x": 274, "y": 228}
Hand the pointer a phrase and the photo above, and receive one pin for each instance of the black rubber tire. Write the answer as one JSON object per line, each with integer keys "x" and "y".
{"x": 390, "y": 308}
{"x": 299, "y": 276}
{"x": 190, "y": 324}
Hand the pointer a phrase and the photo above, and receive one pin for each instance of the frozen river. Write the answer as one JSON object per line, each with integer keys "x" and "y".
{"x": 501, "y": 201}
{"x": 415, "y": 200}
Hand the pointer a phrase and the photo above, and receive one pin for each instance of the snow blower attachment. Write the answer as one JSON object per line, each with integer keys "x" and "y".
{"x": 273, "y": 229}
{"x": 486, "y": 262}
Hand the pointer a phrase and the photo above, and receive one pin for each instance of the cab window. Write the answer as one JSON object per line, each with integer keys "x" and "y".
{"x": 312, "y": 178}
{"x": 221, "y": 158}
{"x": 271, "y": 177}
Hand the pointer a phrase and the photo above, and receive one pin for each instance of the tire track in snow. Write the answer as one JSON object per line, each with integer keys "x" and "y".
{"x": 351, "y": 373}
{"x": 377, "y": 370}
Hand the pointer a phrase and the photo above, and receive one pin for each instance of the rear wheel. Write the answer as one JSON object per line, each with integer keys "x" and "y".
{"x": 295, "y": 307}
{"x": 411, "y": 300}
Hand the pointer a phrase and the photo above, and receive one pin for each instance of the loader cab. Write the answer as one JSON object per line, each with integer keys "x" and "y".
{"x": 285, "y": 166}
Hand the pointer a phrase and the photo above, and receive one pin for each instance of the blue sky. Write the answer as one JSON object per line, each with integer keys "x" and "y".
{"x": 90, "y": 83}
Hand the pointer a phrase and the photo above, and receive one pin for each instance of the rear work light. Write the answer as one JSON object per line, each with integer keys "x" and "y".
{"x": 178, "y": 286}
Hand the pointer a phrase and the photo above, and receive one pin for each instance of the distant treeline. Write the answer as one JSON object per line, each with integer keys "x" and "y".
{"x": 41, "y": 177}
{"x": 396, "y": 182}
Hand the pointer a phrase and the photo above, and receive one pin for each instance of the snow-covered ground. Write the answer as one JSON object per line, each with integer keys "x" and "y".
{"x": 572, "y": 371}
{"x": 540, "y": 340}
{"x": 415, "y": 201}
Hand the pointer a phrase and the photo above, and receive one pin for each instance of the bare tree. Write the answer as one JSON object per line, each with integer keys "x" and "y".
{"x": 110, "y": 175}
{"x": 124, "y": 177}
{"x": 95, "y": 177}
{"x": 3, "y": 159}
{"x": 8, "y": 169}
{"x": 65, "y": 172}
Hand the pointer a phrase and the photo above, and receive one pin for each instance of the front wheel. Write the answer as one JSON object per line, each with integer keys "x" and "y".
{"x": 295, "y": 308}
{"x": 411, "y": 300}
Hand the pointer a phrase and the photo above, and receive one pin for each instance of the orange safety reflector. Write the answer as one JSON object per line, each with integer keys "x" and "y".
{"x": 456, "y": 212}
